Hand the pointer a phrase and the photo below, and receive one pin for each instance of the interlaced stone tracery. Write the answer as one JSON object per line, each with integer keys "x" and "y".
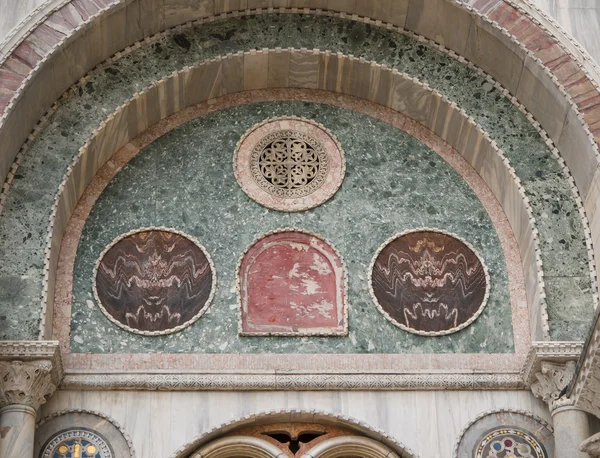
{"x": 289, "y": 164}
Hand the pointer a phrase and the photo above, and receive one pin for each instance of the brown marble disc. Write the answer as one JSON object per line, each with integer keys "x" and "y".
{"x": 154, "y": 282}
{"x": 429, "y": 282}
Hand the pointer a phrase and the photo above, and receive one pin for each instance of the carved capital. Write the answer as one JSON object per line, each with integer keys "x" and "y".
{"x": 26, "y": 383}
{"x": 29, "y": 372}
{"x": 552, "y": 381}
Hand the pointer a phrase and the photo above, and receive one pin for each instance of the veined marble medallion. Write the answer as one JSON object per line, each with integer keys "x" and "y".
{"x": 292, "y": 283}
{"x": 289, "y": 164}
{"x": 429, "y": 282}
{"x": 154, "y": 281}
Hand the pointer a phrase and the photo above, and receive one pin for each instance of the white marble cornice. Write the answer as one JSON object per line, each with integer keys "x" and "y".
{"x": 30, "y": 372}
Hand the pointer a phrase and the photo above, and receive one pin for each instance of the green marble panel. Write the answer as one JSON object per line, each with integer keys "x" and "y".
{"x": 393, "y": 182}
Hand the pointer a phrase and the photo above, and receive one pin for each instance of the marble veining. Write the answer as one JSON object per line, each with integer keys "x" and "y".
{"x": 153, "y": 281}
{"x": 429, "y": 282}
{"x": 23, "y": 223}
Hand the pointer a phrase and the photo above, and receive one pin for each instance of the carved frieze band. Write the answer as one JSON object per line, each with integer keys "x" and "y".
{"x": 291, "y": 382}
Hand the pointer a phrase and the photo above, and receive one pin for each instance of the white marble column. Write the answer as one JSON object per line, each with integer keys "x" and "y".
{"x": 571, "y": 426}
{"x": 24, "y": 386}
{"x": 17, "y": 431}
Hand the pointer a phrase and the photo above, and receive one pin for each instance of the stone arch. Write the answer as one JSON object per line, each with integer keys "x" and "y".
{"x": 340, "y": 447}
{"x": 367, "y": 435}
{"x": 544, "y": 72}
{"x": 251, "y": 447}
{"x": 396, "y": 90}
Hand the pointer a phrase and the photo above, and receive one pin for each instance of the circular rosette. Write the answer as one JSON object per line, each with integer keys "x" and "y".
{"x": 154, "y": 281}
{"x": 289, "y": 164}
{"x": 429, "y": 282}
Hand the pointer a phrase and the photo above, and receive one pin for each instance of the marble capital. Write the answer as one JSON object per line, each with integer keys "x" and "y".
{"x": 29, "y": 372}
{"x": 551, "y": 383}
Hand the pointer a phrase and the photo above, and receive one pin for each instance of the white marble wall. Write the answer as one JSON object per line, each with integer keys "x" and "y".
{"x": 13, "y": 12}
{"x": 428, "y": 422}
{"x": 579, "y": 18}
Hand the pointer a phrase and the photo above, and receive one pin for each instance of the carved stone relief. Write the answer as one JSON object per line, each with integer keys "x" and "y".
{"x": 289, "y": 164}
{"x": 26, "y": 383}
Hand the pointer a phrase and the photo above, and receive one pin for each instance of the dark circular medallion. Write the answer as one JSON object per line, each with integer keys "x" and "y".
{"x": 429, "y": 282}
{"x": 154, "y": 281}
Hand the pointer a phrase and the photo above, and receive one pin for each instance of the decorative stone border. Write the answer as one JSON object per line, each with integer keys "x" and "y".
{"x": 332, "y": 180}
{"x": 176, "y": 328}
{"x": 238, "y": 286}
{"x": 293, "y": 415}
{"x": 112, "y": 421}
{"x": 286, "y": 380}
{"x": 497, "y": 412}
{"x": 416, "y": 331}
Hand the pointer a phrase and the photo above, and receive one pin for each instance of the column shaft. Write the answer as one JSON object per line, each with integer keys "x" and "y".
{"x": 17, "y": 431}
{"x": 571, "y": 428}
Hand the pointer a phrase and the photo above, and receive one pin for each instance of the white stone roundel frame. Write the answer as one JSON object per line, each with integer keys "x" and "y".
{"x": 242, "y": 163}
{"x": 488, "y": 420}
{"x": 176, "y": 328}
{"x": 345, "y": 295}
{"x": 429, "y": 333}
{"x": 92, "y": 436}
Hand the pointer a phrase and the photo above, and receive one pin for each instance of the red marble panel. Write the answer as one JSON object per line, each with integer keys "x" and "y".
{"x": 592, "y": 118}
{"x": 10, "y": 80}
{"x": 26, "y": 53}
{"x": 505, "y": 15}
{"x": 17, "y": 66}
{"x": 85, "y": 8}
{"x": 46, "y": 37}
{"x": 154, "y": 282}
{"x": 292, "y": 283}
{"x": 429, "y": 282}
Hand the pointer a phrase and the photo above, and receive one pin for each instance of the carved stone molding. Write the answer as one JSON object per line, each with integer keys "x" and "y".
{"x": 301, "y": 381}
{"x": 555, "y": 352}
{"x": 29, "y": 372}
{"x": 552, "y": 382}
{"x": 591, "y": 446}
